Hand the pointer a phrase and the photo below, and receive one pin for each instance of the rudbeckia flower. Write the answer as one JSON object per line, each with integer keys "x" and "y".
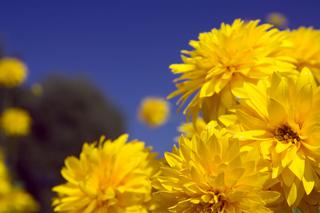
{"x": 282, "y": 120}
{"x": 111, "y": 176}
{"x": 225, "y": 58}
{"x": 210, "y": 173}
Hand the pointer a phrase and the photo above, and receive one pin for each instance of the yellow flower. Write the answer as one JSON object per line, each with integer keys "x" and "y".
{"x": 282, "y": 120}
{"x": 190, "y": 129}
{"x": 112, "y": 176}
{"x": 277, "y": 19}
{"x": 12, "y": 72}
{"x": 154, "y": 111}
{"x": 18, "y": 201}
{"x": 15, "y": 122}
{"x": 309, "y": 203}
{"x": 209, "y": 173}
{"x": 13, "y": 199}
{"x": 305, "y": 49}
{"x": 225, "y": 58}
{"x": 5, "y": 185}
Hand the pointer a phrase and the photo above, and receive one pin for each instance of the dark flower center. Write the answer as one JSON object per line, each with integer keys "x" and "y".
{"x": 285, "y": 134}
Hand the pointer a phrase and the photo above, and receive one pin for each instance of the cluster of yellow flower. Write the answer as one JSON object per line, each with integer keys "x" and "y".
{"x": 13, "y": 121}
{"x": 253, "y": 144}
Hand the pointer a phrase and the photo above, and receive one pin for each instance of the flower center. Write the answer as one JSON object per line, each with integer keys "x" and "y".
{"x": 231, "y": 68}
{"x": 285, "y": 134}
{"x": 214, "y": 205}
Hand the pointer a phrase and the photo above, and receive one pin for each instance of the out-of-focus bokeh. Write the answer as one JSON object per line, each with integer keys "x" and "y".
{"x": 277, "y": 19}
{"x": 87, "y": 68}
{"x": 154, "y": 111}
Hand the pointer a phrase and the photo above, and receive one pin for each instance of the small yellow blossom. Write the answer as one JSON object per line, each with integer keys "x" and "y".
{"x": 37, "y": 89}
{"x": 277, "y": 19}
{"x": 282, "y": 120}
{"x": 111, "y": 176}
{"x": 226, "y": 58}
{"x": 13, "y": 199}
{"x": 209, "y": 173}
{"x": 305, "y": 49}
{"x": 154, "y": 111}
{"x": 13, "y": 72}
{"x": 15, "y": 122}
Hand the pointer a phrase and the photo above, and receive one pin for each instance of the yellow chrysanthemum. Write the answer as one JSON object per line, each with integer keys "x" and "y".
{"x": 209, "y": 173}
{"x": 12, "y": 72}
{"x": 15, "y": 122}
{"x": 113, "y": 176}
{"x": 225, "y": 58}
{"x": 277, "y": 19}
{"x": 282, "y": 120}
{"x": 306, "y": 49}
{"x": 154, "y": 111}
{"x": 13, "y": 199}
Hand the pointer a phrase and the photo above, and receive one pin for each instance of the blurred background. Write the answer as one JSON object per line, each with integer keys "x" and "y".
{"x": 91, "y": 63}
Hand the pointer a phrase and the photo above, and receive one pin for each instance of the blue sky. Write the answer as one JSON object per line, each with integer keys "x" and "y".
{"x": 125, "y": 47}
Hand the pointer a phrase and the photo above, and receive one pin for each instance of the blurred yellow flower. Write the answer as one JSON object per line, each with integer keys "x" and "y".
{"x": 225, "y": 58}
{"x": 154, "y": 111}
{"x": 209, "y": 173}
{"x": 305, "y": 49}
{"x": 13, "y": 72}
{"x": 37, "y": 89}
{"x": 13, "y": 199}
{"x": 190, "y": 129}
{"x": 277, "y": 19}
{"x": 282, "y": 120}
{"x": 111, "y": 176}
{"x": 5, "y": 185}
{"x": 17, "y": 201}
{"x": 15, "y": 122}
